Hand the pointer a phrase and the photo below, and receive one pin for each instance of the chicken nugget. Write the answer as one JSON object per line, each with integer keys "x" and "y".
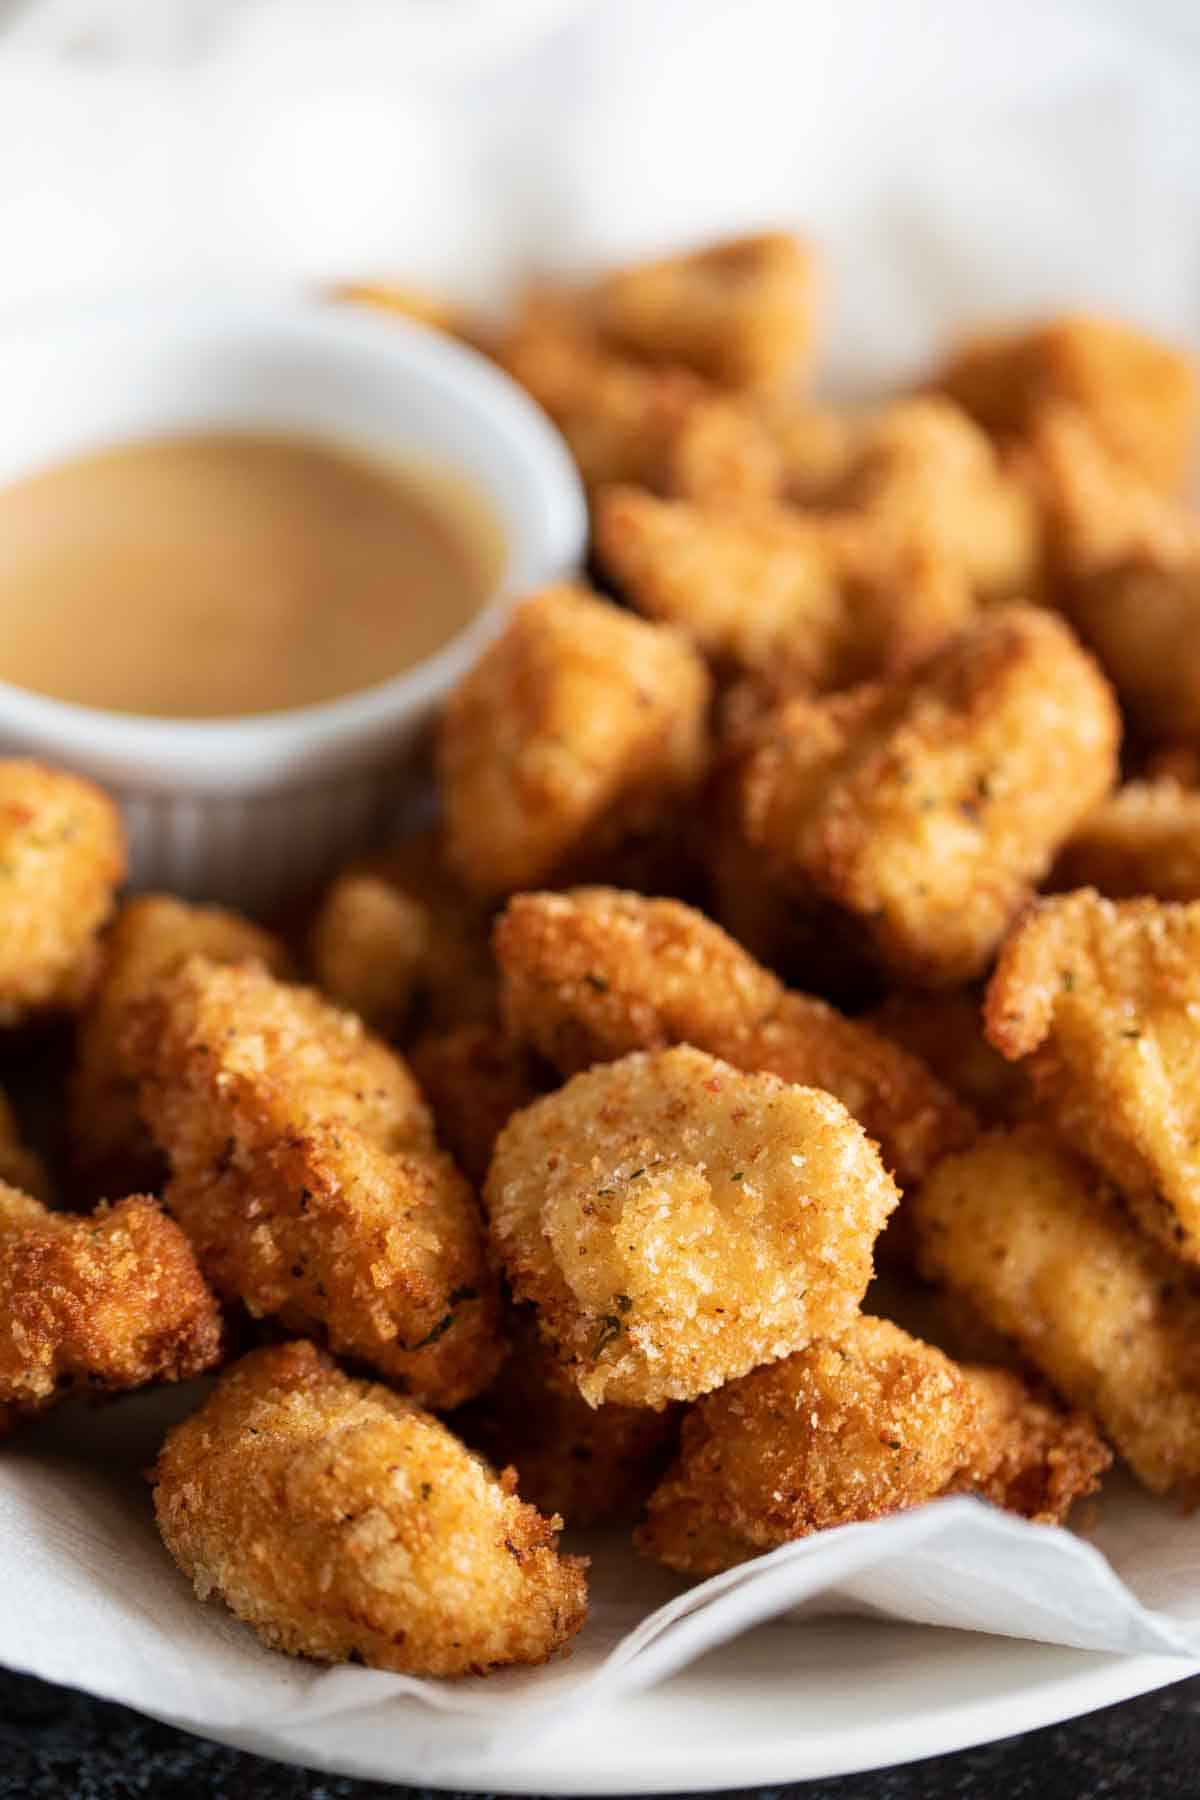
{"x": 303, "y": 1171}
{"x": 20, "y": 1167}
{"x": 860, "y": 1424}
{"x": 740, "y": 312}
{"x": 475, "y": 1077}
{"x": 927, "y": 810}
{"x": 925, "y": 472}
{"x": 589, "y": 975}
{"x": 1144, "y": 839}
{"x": 400, "y": 941}
{"x": 1137, "y": 392}
{"x": 816, "y": 446}
{"x": 677, "y": 1222}
{"x": 945, "y": 1030}
{"x": 342, "y": 1523}
{"x": 594, "y": 1465}
{"x": 660, "y": 427}
{"x": 108, "y": 1301}
{"x": 62, "y": 857}
{"x": 1027, "y": 1456}
{"x": 578, "y": 726}
{"x": 825, "y": 600}
{"x": 151, "y": 937}
{"x": 1036, "y": 1240}
{"x": 1100, "y": 1000}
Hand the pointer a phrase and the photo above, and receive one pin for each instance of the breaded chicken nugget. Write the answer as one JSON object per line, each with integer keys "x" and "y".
{"x": 109, "y": 1301}
{"x": 661, "y": 427}
{"x": 1036, "y": 1241}
{"x": 1144, "y": 839}
{"x": 62, "y": 857}
{"x": 151, "y": 937}
{"x": 589, "y": 975}
{"x": 1101, "y": 1000}
{"x": 303, "y": 1171}
{"x": 1027, "y": 1456}
{"x": 475, "y": 1077}
{"x": 578, "y": 726}
{"x": 863, "y": 1423}
{"x": 20, "y": 1167}
{"x": 342, "y": 1523}
{"x": 828, "y": 598}
{"x": 739, "y": 312}
{"x": 1138, "y": 393}
{"x": 1128, "y": 566}
{"x": 676, "y": 1221}
{"x": 946, "y": 1032}
{"x": 925, "y": 473}
{"x": 594, "y": 1465}
{"x": 928, "y": 809}
{"x": 399, "y": 940}
{"x": 816, "y": 446}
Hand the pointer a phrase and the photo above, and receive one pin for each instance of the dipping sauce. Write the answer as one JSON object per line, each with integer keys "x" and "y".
{"x": 209, "y": 576}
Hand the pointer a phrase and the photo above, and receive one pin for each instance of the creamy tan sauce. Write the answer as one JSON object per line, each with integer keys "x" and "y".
{"x": 207, "y": 576}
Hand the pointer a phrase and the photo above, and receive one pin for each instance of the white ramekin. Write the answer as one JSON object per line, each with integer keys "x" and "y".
{"x": 252, "y": 809}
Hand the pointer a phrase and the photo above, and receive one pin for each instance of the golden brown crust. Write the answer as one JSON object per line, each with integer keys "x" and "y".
{"x": 739, "y": 312}
{"x": 1036, "y": 1241}
{"x": 474, "y": 1078}
{"x": 822, "y": 600}
{"x": 589, "y": 975}
{"x": 859, "y": 1425}
{"x": 676, "y": 1221}
{"x": 660, "y": 427}
{"x": 928, "y": 810}
{"x": 62, "y": 857}
{"x": 343, "y": 1523}
{"x": 1101, "y": 999}
{"x": 106, "y": 1302}
{"x": 578, "y": 726}
{"x": 303, "y": 1170}
{"x": 1137, "y": 392}
{"x": 150, "y": 938}
{"x": 1027, "y": 1456}
{"x": 946, "y": 1032}
{"x": 1144, "y": 839}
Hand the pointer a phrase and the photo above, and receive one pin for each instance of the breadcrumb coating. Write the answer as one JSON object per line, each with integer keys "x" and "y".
{"x": 660, "y": 427}
{"x": 151, "y": 937}
{"x": 1144, "y": 839}
{"x": 924, "y": 472}
{"x": 1027, "y": 1456}
{"x": 342, "y": 1523}
{"x": 62, "y": 858}
{"x": 400, "y": 941}
{"x": 589, "y": 975}
{"x": 830, "y": 598}
{"x": 474, "y": 1078}
{"x": 740, "y": 311}
{"x": 1137, "y": 392}
{"x": 579, "y": 725}
{"x": 1100, "y": 1000}
{"x": 594, "y": 1465}
{"x": 304, "y": 1172}
{"x": 108, "y": 1301}
{"x": 1038, "y": 1244}
{"x": 677, "y": 1222}
{"x": 929, "y": 809}
{"x": 861, "y": 1424}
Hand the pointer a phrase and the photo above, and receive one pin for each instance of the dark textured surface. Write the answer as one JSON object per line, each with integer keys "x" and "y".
{"x": 56, "y": 1745}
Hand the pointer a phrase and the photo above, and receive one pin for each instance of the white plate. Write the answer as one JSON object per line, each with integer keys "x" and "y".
{"x": 784, "y": 1703}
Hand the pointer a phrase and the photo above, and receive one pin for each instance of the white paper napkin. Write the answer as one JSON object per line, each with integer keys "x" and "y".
{"x": 958, "y": 161}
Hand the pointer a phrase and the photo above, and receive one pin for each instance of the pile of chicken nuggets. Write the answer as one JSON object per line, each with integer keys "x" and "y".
{"x": 807, "y": 953}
